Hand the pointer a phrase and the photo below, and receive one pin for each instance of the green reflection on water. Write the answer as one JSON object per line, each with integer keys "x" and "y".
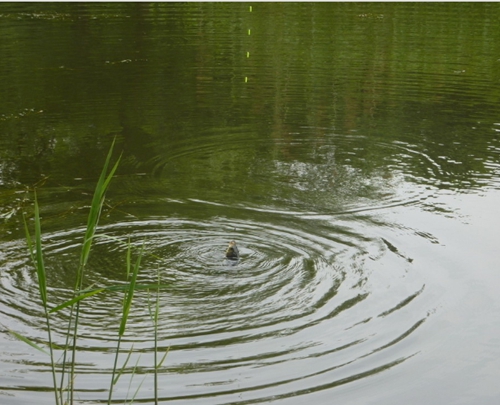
{"x": 168, "y": 80}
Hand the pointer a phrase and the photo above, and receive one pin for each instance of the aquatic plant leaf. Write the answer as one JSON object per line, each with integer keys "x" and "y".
{"x": 37, "y": 259}
{"x": 163, "y": 358}
{"x": 137, "y": 391}
{"x": 36, "y": 254}
{"x": 115, "y": 380}
{"x": 76, "y": 299}
{"x": 88, "y": 293}
{"x": 130, "y": 382}
{"x": 130, "y": 294}
{"x": 40, "y": 266}
{"x": 129, "y": 259}
{"x": 26, "y": 340}
{"x": 96, "y": 205}
{"x": 126, "y": 287}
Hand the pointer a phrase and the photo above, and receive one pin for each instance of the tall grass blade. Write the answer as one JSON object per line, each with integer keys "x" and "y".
{"x": 127, "y": 303}
{"x": 137, "y": 287}
{"x": 130, "y": 294}
{"x": 88, "y": 293}
{"x": 37, "y": 258}
{"x": 137, "y": 390}
{"x": 76, "y": 299}
{"x": 126, "y": 287}
{"x": 130, "y": 383}
{"x": 154, "y": 318}
{"x": 129, "y": 259}
{"x": 26, "y": 340}
{"x": 92, "y": 221}
{"x": 155, "y": 321}
{"x": 96, "y": 205}
{"x": 40, "y": 266}
{"x": 115, "y": 365}
{"x": 115, "y": 380}
{"x": 163, "y": 358}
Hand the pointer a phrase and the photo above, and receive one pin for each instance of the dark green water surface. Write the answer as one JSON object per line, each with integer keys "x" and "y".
{"x": 351, "y": 149}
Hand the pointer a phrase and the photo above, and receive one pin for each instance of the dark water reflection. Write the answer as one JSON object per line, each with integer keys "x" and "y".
{"x": 351, "y": 150}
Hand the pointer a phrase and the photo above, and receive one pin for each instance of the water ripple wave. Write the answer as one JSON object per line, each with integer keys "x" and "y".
{"x": 305, "y": 308}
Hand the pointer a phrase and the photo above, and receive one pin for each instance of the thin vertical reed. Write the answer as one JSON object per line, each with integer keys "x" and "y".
{"x": 154, "y": 317}
{"x": 127, "y": 303}
{"x": 37, "y": 258}
{"x": 36, "y": 255}
{"x": 92, "y": 221}
{"x": 157, "y": 310}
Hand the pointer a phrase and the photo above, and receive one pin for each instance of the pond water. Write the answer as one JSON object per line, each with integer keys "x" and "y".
{"x": 351, "y": 150}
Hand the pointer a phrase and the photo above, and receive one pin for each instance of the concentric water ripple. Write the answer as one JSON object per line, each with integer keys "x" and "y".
{"x": 325, "y": 292}
{"x": 304, "y": 309}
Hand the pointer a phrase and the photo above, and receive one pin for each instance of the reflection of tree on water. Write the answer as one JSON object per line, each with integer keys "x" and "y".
{"x": 335, "y": 68}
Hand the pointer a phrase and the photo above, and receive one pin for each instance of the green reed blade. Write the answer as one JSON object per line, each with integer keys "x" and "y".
{"x": 137, "y": 390}
{"x": 127, "y": 303}
{"x": 96, "y": 205}
{"x": 39, "y": 264}
{"x": 76, "y": 299}
{"x": 115, "y": 380}
{"x": 37, "y": 259}
{"x": 130, "y": 383}
{"x": 126, "y": 287}
{"x": 154, "y": 318}
{"x": 163, "y": 358}
{"x": 92, "y": 221}
{"x": 130, "y": 294}
{"x": 129, "y": 259}
{"x": 26, "y": 340}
